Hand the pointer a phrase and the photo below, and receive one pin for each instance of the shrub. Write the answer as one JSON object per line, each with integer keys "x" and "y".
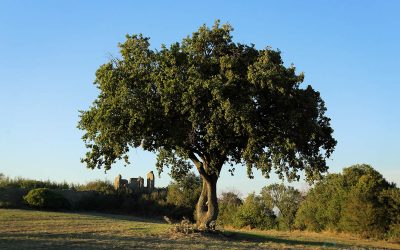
{"x": 228, "y": 204}
{"x": 98, "y": 202}
{"x": 321, "y": 209}
{"x": 44, "y": 198}
{"x": 254, "y": 214}
{"x": 356, "y": 201}
{"x": 6, "y": 204}
{"x": 12, "y": 197}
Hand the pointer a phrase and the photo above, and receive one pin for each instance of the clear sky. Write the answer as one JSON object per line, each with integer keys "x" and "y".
{"x": 50, "y": 50}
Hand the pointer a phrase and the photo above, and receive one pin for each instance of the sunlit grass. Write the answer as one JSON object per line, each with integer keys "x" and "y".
{"x": 26, "y": 229}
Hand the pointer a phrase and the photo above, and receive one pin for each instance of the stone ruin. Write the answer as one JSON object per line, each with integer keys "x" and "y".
{"x": 135, "y": 184}
{"x": 150, "y": 180}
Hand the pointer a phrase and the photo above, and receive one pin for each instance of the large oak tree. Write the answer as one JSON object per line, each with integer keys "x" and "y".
{"x": 207, "y": 101}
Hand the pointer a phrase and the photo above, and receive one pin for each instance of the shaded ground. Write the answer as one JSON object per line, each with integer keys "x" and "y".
{"x": 25, "y": 229}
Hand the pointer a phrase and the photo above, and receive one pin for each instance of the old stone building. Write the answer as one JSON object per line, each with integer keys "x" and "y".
{"x": 135, "y": 184}
{"x": 150, "y": 180}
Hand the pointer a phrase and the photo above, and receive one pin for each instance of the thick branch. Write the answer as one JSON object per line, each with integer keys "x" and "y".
{"x": 199, "y": 165}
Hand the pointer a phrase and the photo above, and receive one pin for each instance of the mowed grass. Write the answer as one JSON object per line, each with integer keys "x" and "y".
{"x": 26, "y": 229}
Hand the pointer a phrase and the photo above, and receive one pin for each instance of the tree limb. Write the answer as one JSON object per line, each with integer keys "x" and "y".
{"x": 199, "y": 165}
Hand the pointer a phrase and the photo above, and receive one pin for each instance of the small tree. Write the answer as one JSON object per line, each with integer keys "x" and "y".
{"x": 228, "y": 204}
{"x": 210, "y": 101}
{"x": 287, "y": 199}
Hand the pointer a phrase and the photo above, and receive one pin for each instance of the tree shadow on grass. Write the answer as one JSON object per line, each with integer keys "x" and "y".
{"x": 90, "y": 241}
{"x": 93, "y": 240}
{"x": 139, "y": 237}
{"x": 252, "y": 237}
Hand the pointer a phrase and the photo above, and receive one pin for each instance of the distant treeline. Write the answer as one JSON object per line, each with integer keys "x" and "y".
{"x": 358, "y": 201}
{"x": 19, "y": 182}
{"x": 99, "y": 196}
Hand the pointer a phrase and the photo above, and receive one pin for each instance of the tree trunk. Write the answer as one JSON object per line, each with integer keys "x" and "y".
{"x": 207, "y": 206}
{"x": 201, "y": 207}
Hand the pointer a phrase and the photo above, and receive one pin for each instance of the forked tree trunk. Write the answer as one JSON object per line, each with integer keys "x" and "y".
{"x": 207, "y": 206}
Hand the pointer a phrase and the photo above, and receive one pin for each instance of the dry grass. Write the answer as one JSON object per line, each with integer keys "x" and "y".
{"x": 22, "y": 229}
{"x": 312, "y": 239}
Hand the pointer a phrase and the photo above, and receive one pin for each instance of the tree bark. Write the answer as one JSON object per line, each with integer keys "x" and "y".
{"x": 201, "y": 207}
{"x": 207, "y": 206}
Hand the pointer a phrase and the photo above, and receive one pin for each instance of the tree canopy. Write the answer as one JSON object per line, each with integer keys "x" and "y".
{"x": 210, "y": 101}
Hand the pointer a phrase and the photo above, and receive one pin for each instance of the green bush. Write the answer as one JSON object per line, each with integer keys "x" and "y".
{"x": 321, "y": 209}
{"x": 45, "y": 198}
{"x": 228, "y": 204}
{"x": 99, "y": 202}
{"x": 6, "y": 204}
{"x": 254, "y": 214}
{"x": 12, "y": 197}
{"x": 357, "y": 201}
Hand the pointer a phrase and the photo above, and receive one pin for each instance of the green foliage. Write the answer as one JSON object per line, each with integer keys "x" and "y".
{"x": 12, "y": 197}
{"x": 362, "y": 216}
{"x": 394, "y": 232}
{"x": 103, "y": 187}
{"x": 228, "y": 204}
{"x": 97, "y": 201}
{"x": 185, "y": 191}
{"x": 321, "y": 210}
{"x": 210, "y": 98}
{"x": 391, "y": 199}
{"x": 359, "y": 201}
{"x": 45, "y": 198}
{"x": 363, "y": 212}
{"x": 6, "y": 182}
{"x": 287, "y": 199}
{"x": 254, "y": 213}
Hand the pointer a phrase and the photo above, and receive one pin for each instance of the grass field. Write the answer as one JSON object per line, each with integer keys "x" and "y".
{"x": 23, "y": 229}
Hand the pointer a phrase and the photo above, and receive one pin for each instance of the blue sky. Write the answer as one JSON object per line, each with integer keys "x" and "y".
{"x": 50, "y": 50}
